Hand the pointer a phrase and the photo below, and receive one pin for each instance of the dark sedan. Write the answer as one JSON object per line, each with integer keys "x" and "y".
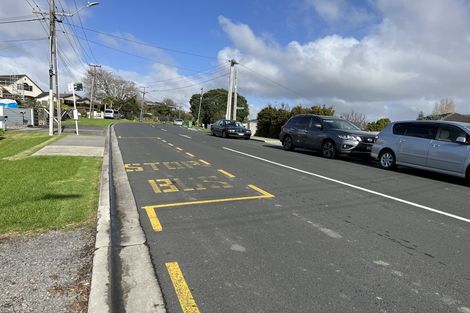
{"x": 230, "y": 128}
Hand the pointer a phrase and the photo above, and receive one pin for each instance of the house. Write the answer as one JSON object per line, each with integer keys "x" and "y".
{"x": 66, "y": 99}
{"x": 18, "y": 87}
{"x": 455, "y": 117}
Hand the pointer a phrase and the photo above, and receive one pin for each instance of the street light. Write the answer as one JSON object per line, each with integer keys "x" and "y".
{"x": 89, "y": 5}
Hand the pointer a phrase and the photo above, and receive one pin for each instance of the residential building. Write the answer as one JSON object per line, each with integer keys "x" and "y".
{"x": 18, "y": 87}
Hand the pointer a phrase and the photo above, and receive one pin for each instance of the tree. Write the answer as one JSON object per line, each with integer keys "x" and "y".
{"x": 214, "y": 104}
{"x": 128, "y": 107}
{"x": 356, "y": 118}
{"x": 378, "y": 125}
{"x": 109, "y": 85}
{"x": 445, "y": 106}
{"x": 420, "y": 115}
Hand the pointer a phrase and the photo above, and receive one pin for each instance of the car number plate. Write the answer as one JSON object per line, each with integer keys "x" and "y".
{"x": 368, "y": 148}
{"x": 241, "y": 134}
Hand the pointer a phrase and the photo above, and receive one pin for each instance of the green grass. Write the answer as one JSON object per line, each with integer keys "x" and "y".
{"x": 94, "y": 122}
{"x": 47, "y": 192}
{"x": 14, "y": 142}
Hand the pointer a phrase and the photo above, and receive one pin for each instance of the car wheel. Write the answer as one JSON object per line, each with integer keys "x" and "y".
{"x": 328, "y": 149}
{"x": 287, "y": 143}
{"x": 212, "y": 132}
{"x": 247, "y": 138}
{"x": 224, "y": 134}
{"x": 387, "y": 159}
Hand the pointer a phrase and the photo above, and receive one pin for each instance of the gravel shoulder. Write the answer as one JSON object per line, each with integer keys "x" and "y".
{"x": 50, "y": 272}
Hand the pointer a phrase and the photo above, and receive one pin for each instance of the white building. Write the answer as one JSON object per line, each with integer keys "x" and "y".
{"x": 18, "y": 87}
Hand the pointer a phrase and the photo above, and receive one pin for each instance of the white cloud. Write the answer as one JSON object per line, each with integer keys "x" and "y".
{"x": 415, "y": 56}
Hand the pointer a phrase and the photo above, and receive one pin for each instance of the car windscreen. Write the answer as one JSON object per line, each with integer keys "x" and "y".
{"x": 467, "y": 128}
{"x": 234, "y": 123}
{"x": 339, "y": 124}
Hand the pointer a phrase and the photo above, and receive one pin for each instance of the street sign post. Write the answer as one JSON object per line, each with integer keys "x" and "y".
{"x": 75, "y": 87}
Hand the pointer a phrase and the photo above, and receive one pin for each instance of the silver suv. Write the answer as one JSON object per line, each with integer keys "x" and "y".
{"x": 438, "y": 146}
{"x": 331, "y": 135}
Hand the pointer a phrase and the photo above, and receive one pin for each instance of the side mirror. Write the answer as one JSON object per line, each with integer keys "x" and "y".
{"x": 461, "y": 140}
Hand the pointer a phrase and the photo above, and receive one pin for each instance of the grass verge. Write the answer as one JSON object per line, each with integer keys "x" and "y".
{"x": 94, "y": 122}
{"x": 42, "y": 193}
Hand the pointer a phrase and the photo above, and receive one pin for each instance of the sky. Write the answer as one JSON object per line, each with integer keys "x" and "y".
{"x": 382, "y": 58}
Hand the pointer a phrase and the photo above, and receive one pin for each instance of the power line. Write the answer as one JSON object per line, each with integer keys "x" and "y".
{"x": 22, "y": 21}
{"x": 296, "y": 93}
{"x": 17, "y": 17}
{"x": 24, "y": 40}
{"x": 197, "y": 84}
{"x": 212, "y": 71}
{"x": 84, "y": 33}
{"x": 135, "y": 55}
{"x": 150, "y": 45}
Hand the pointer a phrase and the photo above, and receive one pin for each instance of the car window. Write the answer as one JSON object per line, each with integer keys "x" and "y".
{"x": 399, "y": 128}
{"x": 335, "y": 123}
{"x": 450, "y": 133}
{"x": 421, "y": 131}
{"x": 302, "y": 122}
{"x": 293, "y": 121}
{"x": 234, "y": 123}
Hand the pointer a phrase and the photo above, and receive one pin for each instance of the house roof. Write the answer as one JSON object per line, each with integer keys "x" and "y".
{"x": 456, "y": 117}
{"x": 4, "y": 78}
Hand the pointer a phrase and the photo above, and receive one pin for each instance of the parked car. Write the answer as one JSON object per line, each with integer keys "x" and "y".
{"x": 230, "y": 128}
{"x": 331, "y": 135}
{"x": 178, "y": 122}
{"x": 108, "y": 113}
{"x": 439, "y": 146}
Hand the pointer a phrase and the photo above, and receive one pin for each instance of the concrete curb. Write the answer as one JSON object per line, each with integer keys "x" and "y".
{"x": 141, "y": 290}
{"x": 101, "y": 279}
{"x": 266, "y": 140}
{"x": 139, "y": 284}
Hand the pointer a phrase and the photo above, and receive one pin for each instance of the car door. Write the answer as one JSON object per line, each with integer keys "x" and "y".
{"x": 300, "y": 131}
{"x": 315, "y": 134}
{"x": 447, "y": 154}
{"x": 414, "y": 145}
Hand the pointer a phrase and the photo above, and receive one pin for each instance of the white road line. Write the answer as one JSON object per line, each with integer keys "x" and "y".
{"x": 163, "y": 129}
{"x": 185, "y": 136}
{"x": 354, "y": 186}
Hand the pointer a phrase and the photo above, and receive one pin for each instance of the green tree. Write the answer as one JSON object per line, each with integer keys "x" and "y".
{"x": 128, "y": 107}
{"x": 378, "y": 125}
{"x": 214, "y": 104}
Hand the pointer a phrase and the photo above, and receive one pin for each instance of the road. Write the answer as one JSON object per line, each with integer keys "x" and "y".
{"x": 243, "y": 226}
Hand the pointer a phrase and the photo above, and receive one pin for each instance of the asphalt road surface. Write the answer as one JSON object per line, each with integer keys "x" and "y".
{"x": 243, "y": 226}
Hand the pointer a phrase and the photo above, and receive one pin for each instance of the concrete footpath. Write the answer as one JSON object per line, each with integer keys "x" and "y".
{"x": 73, "y": 145}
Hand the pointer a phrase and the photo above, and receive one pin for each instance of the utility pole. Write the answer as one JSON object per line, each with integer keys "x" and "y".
{"x": 142, "y": 104}
{"x": 59, "y": 113}
{"x": 199, "y": 110}
{"x": 53, "y": 54}
{"x": 234, "y": 117}
{"x": 93, "y": 73}
{"x": 230, "y": 90}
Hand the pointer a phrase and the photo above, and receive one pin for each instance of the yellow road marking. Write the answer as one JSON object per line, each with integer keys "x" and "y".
{"x": 154, "y": 221}
{"x": 264, "y": 195}
{"x": 204, "y": 162}
{"x": 261, "y": 191}
{"x": 188, "y": 305}
{"x": 189, "y": 154}
{"x": 226, "y": 173}
{"x": 170, "y": 144}
{"x": 179, "y": 149}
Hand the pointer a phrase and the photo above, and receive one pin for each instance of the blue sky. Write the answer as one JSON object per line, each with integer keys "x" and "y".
{"x": 382, "y": 58}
